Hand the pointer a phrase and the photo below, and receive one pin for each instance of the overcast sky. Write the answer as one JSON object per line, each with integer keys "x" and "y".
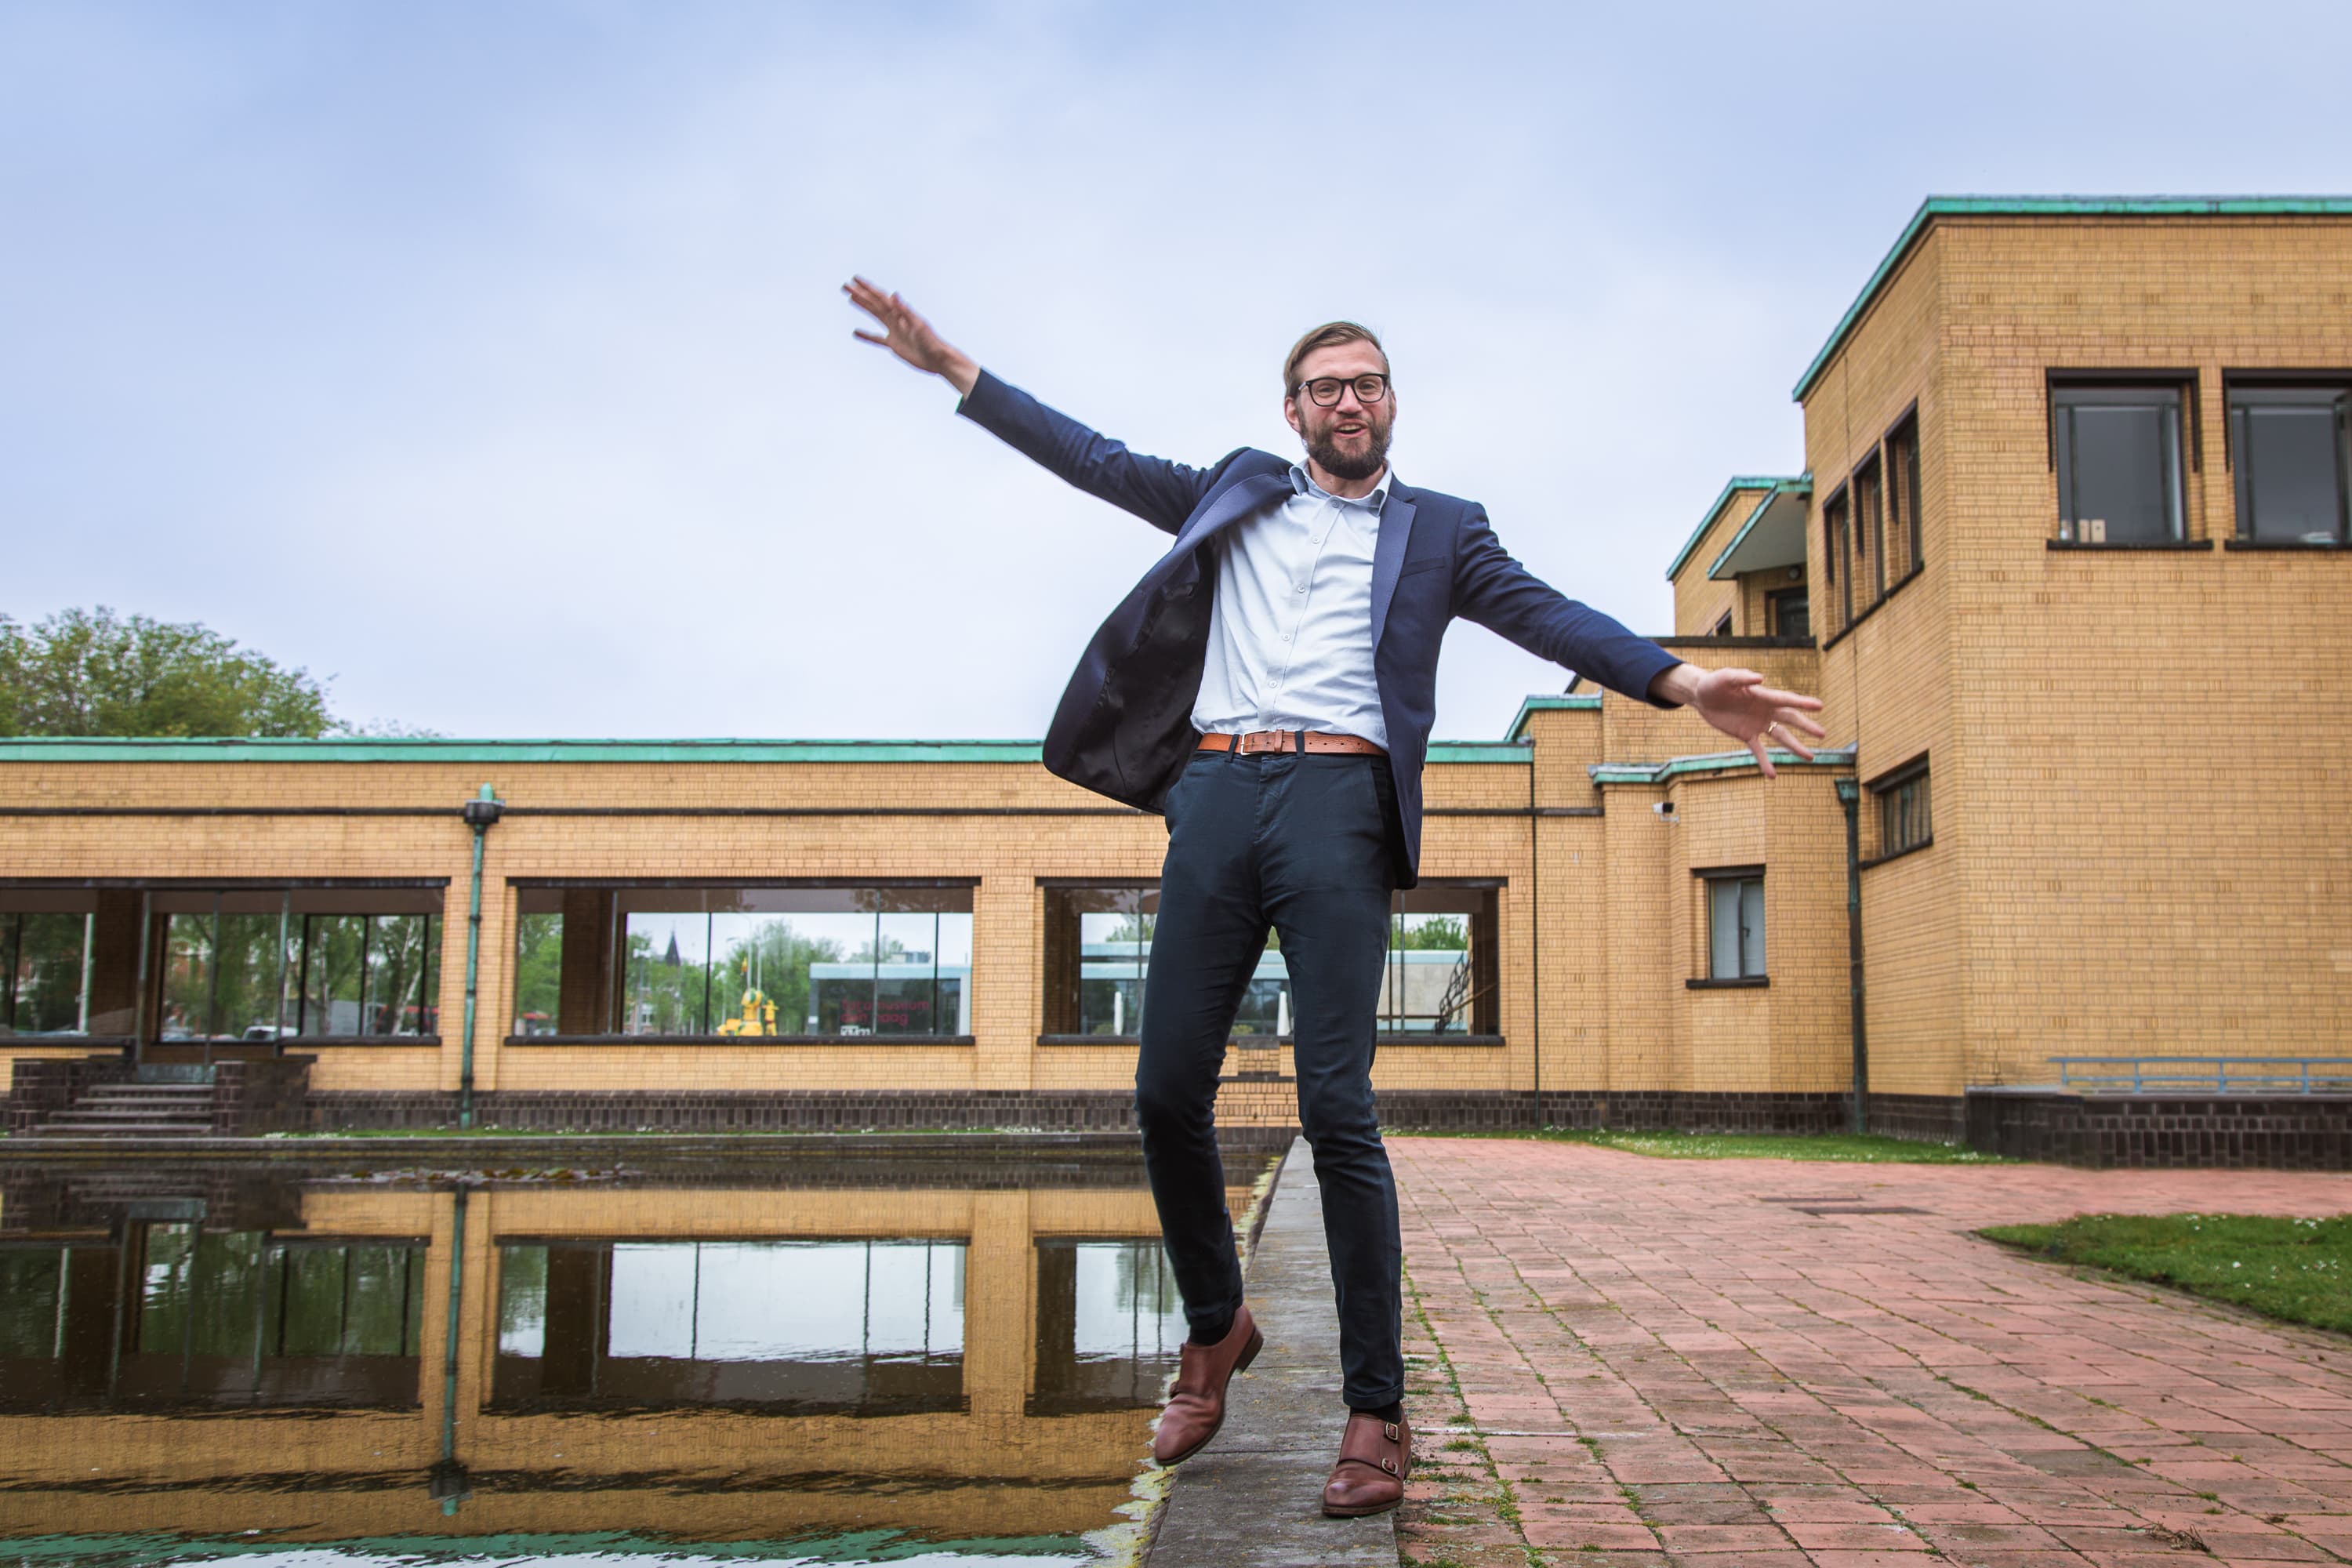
{"x": 488, "y": 358}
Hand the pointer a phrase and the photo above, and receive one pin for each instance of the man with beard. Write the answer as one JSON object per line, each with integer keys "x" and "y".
{"x": 1269, "y": 688}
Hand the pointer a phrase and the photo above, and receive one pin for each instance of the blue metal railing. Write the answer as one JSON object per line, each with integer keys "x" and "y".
{"x": 2206, "y": 1074}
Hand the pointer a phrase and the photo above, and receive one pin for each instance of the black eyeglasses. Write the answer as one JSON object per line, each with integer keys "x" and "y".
{"x": 1324, "y": 390}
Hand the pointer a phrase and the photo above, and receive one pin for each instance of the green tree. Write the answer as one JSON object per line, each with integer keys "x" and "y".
{"x": 93, "y": 672}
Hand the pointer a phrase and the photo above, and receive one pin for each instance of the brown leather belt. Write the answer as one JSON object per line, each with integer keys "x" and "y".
{"x": 1309, "y": 741}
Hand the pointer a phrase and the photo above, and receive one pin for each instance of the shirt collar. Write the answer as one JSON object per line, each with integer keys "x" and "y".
{"x": 1302, "y": 485}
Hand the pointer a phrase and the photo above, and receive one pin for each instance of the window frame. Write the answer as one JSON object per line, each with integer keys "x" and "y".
{"x": 2233, "y": 382}
{"x": 1710, "y": 878}
{"x": 2188, "y": 448}
{"x": 1904, "y": 483}
{"x": 1482, "y": 1007}
{"x": 1884, "y": 791}
{"x": 607, "y": 984}
{"x": 1837, "y": 528}
{"x": 1776, "y": 600}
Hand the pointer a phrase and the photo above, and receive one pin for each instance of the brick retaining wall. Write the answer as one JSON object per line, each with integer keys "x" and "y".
{"x": 2284, "y": 1132}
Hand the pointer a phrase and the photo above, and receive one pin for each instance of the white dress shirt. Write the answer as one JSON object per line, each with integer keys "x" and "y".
{"x": 1290, "y": 635}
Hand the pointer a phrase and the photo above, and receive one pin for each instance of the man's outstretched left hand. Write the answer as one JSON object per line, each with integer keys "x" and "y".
{"x": 1739, "y": 703}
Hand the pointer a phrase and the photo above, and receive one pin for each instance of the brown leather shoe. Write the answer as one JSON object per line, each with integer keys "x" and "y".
{"x": 1375, "y": 1457}
{"x": 1196, "y": 1407}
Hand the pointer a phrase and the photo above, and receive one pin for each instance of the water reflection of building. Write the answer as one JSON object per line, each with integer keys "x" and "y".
{"x": 966, "y": 1355}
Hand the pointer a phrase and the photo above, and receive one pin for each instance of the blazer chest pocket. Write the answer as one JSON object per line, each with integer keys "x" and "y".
{"x": 1414, "y": 568}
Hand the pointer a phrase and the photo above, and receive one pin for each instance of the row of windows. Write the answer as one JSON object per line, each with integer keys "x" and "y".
{"x": 1870, "y": 526}
{"x": 253, "y": 964}
{"x": 249, "y": 1319}
{"x": 2122, "y": 448}
{"x": 829, "y": 962}
{"x": 2122, "y": 461}
{"x": 1734, "y": 902}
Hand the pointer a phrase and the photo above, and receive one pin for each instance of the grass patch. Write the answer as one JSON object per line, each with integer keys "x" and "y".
{"x": 1869, "y": 1148}
{"x": 2297, "y": 1269}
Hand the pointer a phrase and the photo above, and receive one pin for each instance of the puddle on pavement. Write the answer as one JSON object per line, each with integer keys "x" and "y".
{"x": 844, "y": 1360}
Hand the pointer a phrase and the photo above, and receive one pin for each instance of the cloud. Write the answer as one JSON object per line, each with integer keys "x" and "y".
{"x": 491, "y": 359}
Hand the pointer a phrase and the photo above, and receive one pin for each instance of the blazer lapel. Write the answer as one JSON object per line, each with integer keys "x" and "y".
{"x": 1244, "y": 497}
{"x": 1388, "y": 558}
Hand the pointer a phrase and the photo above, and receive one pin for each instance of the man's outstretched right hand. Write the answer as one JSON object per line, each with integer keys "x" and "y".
{"x": 910, "y": 337}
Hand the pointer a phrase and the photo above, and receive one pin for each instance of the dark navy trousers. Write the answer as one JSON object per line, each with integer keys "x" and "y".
{"x": 1298, "y": 843}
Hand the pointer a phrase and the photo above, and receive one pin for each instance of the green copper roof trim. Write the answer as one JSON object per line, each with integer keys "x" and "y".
{"x": 1513, "y": 751}
{"x": 1574, "y": 700}
{"x": 2059, "y": 206}
{"x": 1801, "y": 485}
{"x": 1712, "y": 763}
{"x": 146, "y": 749}
{"x": 166, "y": 748}
{"x": 1738, "y": 482}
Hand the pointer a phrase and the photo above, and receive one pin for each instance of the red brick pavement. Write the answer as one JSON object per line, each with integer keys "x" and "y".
{"x": 1646, "y": 1361}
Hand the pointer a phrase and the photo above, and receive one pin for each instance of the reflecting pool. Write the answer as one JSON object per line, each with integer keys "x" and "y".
{"x": 841, "y": 1359}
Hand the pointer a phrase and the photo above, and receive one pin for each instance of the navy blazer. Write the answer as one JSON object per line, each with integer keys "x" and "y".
{"x": 1124, "y": 727}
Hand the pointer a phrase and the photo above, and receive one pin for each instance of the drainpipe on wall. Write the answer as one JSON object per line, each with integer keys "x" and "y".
{"x": 446, "y": 1481}
{"x": 479, "y": 816}
{"x": 1849, "y": 794}
{"x": 1535, "y": 936}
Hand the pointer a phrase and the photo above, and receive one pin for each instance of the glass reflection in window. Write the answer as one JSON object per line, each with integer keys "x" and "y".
{"x": 808, "y": 1326}
{"x": 44, "y": 949}
{"x": 2292, "y": 453}
{"x": 796, "y": 961}
{"x": 1109, "y": 1323}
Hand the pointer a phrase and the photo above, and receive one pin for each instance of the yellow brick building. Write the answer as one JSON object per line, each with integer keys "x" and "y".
{"x": 2062, "y": 557}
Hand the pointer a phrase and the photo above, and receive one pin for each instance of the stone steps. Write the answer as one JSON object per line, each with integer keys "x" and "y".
{"x": 134, "y": 1110}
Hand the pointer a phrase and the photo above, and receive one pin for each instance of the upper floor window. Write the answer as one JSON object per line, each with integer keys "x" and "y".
{"x": 1905, "y": 811}
{"x": 1837, "y": 558}
{"x": 1438, "y": 979}
{"x": 1870, "y": 526}
{"x": 757, "y": 961}
{"x": 2292, "y": 454}
{"x": 1905, "y": 546}
{"x": 1791, "y": 613}
{"x": 2119, "y": 463}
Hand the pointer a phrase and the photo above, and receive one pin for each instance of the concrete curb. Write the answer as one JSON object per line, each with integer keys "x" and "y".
{"x": 573, "y": 1147}
{"x": 1253, "y": 1500}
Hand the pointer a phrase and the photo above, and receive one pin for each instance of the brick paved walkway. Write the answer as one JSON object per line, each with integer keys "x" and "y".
{"x": 1653, "y": 1361}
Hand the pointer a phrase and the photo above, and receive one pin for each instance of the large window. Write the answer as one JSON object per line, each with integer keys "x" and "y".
{"x": 806, "y": 1326}
{"x": 263, "y": 963}
{"x": 744, "y": 962}
{"x": 1442, "y": 965}
{"x": 44, "y": 947}
{"x": 168, "y": 1314}
{"x": 2292, "y": 454}
{"x": 1438, "y": 979}
{"x": 1735, "y": 922}
{"x": 1906, "y": 815}
{"x": 2119, "y": 463}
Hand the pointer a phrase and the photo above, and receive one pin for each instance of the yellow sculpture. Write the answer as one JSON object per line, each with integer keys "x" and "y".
{"x": 759, "y": 1012}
